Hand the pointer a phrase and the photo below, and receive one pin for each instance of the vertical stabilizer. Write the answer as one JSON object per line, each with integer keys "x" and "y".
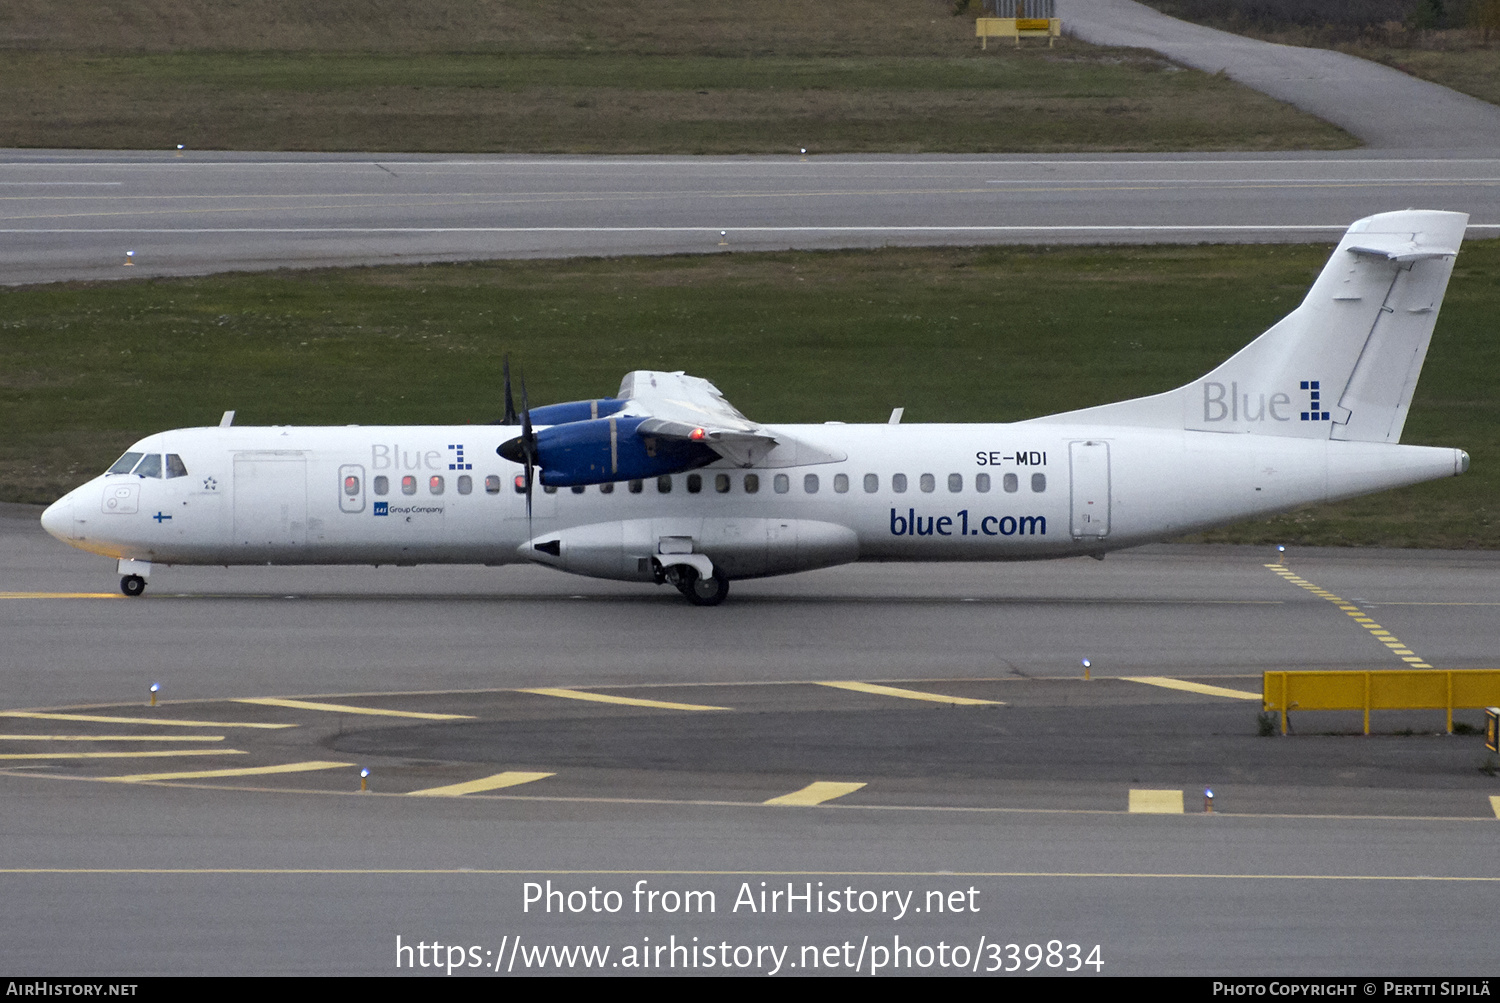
{"x": 1344, "y": 364}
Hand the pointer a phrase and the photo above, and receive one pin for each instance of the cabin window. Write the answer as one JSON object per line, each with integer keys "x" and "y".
{"x": 125, "y": 464}
{"x": 408, "y": 485}
{"x": 491, "y": 485}
{"x": 721, "y": 483}
{"x": 636, "y": 487}
{"x": 694, "y": 483}
{"x": 1010, "y": 483}
{"x": 841, "y": 483}
{"x": 548, "y": 489}
{"x": 578, "y": 489}
{"x": 752, "y": 483}
{"x": 520, "y": 484}
{"x": 383, "y": 485}
{"x": 982, "y": 483}
{"x": 351, "y": 486}
{"x": 928, "y": 483}
{"x": 664, "y": 484}
{"x": 955, "y": 483}
{"x": 898, "y": 483}
{"x": 465, "y": 484}
{"x": 810, "y": 484}
{"x": 175, "y": 466}
{"x": 435, "y": 484}
{"x": 782, "y": 484}
{"x": 1039, "y": 482}
{"x": 150, "y": 466}
{"x": 872, "y": 483}
{"x": 607, "y": 488}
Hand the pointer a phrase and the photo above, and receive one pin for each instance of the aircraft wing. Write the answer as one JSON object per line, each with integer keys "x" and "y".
{"x": 691, "y": 409}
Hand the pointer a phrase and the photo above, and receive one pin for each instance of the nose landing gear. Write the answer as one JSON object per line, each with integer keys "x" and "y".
{"x": 132, "y": 585}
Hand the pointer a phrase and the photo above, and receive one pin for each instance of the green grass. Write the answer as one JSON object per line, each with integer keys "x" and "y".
{"x": 950, "y": 334}
{"x": 1077, "y": 99}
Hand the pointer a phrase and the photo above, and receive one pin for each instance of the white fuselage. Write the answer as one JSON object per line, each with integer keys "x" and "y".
{"x": 283, "y": 495}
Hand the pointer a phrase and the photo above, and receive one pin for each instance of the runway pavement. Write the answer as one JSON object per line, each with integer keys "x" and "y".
{"x": 79, "y": 215}
{"x": 1385, "y": 108}
{"x": 601, "y": 735}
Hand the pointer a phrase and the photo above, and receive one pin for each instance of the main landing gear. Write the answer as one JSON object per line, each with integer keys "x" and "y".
{"x": 132, "y": 585}
{"x": 700, "y": 591}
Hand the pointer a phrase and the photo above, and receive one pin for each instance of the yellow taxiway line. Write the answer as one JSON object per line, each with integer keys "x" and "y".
{"x": 510, "y": 778}
{"x": 904, "y": 694}
{"x": 158, "y": 721}
{"x": 111, "y": 738}
{"x": 816, "y": 793}
{"x": 338, "y": 708}
{"x": 567, "y": 694}
{"x": 247, "y": 771}
{"x": 1181, "y": 684}
{"x": 123, "y": 755}
{"x": 61, "y": 595}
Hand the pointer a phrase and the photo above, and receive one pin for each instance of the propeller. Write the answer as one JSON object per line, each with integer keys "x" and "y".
{"x": 510, "y": 403}
{"x": 522, "y": 449}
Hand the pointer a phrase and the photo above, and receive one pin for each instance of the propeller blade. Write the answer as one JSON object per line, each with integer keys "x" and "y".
{"x": 510, "y": 402}
{"x": 528, "y": 449}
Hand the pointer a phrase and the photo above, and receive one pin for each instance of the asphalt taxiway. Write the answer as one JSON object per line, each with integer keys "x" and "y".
{"x": 889, "y": 728}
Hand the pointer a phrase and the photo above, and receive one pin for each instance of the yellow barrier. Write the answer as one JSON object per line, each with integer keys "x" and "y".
{"x": 1410, "y": 689}
{"x": 986, "y": 28}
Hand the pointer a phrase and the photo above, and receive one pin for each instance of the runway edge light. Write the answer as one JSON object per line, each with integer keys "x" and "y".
{"x": 1086, "y": 665}
{"x": 364, "y": 778}
{"x": 155, "y": 688}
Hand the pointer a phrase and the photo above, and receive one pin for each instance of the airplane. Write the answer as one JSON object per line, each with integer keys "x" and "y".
{"x": 667, "y": 483}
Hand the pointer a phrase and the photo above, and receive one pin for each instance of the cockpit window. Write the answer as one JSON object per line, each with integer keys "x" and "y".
{"x": 125, "y": 464}
{"x": 175, "y": 466}
{"x": 150, "y": 466}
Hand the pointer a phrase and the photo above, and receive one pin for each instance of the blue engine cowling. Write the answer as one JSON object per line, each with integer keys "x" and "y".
{"x": 564, "y": 414}
{"x": 581, "y": 453}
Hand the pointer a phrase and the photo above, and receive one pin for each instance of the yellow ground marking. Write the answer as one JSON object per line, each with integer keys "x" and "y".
{"x": 61, "y": 595}
{"x": 1179, "y": 684}
{"x": 338, "y": 708}
{"x": 123, "y": 755}
{"x": 567, "y": 694}
{"x": 158, "y": 721}
{"x": 1385, "y": 637}
{"x": 248, "y": 771}
{"x": 896, "y": 691}
{"x": 111, "y": 738}
{"x": 816, "y": 793}
{"x": 1495, "y": 805}
{"x": 510, "y": 778}
{"x": 1147, "y": 802}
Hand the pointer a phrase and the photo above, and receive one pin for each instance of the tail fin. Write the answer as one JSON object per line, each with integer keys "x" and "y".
{"x": 1343, "y": 365}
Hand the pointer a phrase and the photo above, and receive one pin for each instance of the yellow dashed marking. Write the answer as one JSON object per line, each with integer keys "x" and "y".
{"x": 1392, "y": 643}
{"x": 896, "y": 691}
{"x": 1180, "y": 684}
{"x": 816, "y": 793}
{"x": 1149, "y": 802}
{"x": 123, "y": 755}
{"x": 499, "y": 780}
{"x": 567, "y": 694}
{"x": 1495, "y": 805}
{"x": 111, "y": 738}
{"x": 157, "y": 721}
{"x": 338, "y": 708}
{"x": 248, "y": 771}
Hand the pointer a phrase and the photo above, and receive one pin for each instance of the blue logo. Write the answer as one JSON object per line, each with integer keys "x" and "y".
{"x": 458, "y": 460}
{"x": 382, "y": 508}
{"x": 1313, "y": 403}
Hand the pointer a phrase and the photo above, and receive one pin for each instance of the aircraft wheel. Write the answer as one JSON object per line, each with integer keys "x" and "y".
{"x": 132, "y": 585}
{"x": 707, "y": 591}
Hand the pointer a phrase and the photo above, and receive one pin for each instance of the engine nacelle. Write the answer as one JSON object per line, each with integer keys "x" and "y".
{"x": 739, "y": 548}
{"x": 610, "y": 449}
{"x": 571, "y": 411}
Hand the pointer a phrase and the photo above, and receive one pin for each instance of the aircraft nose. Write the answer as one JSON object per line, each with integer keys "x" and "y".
{"x": 58, "y": 518}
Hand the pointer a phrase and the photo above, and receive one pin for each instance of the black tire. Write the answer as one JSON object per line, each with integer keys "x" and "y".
{"x": 707, "y": 591}
{"x": 132, "y": 585}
